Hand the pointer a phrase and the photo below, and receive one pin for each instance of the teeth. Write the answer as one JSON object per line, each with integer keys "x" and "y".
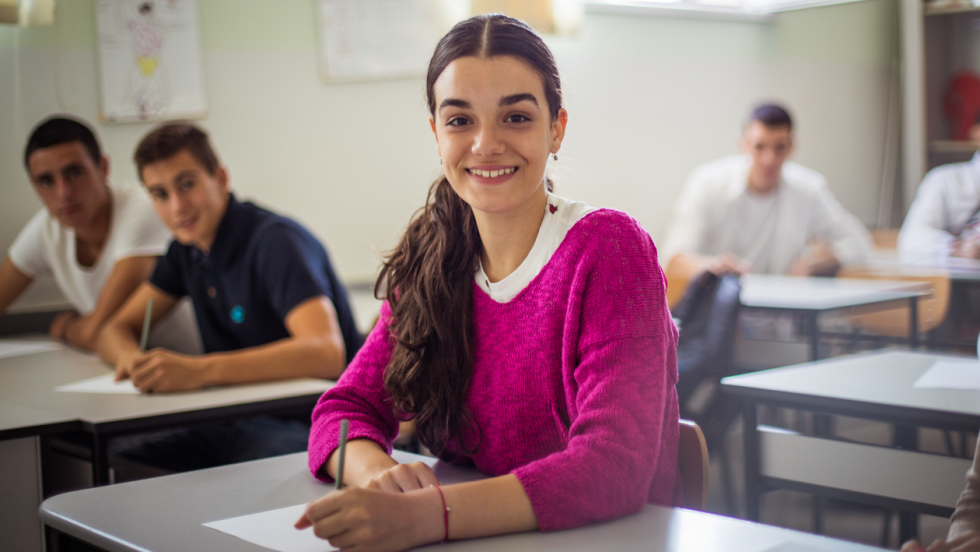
{"x": 492, "y": 174}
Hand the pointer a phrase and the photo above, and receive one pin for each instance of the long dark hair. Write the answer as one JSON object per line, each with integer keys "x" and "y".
{"x": 428, "y": 278}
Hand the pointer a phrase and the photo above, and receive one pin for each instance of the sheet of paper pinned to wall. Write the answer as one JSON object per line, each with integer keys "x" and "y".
{"x": 274, "y": 530}
{"x": 951, "y": 374}
{"x": 150, "y": 63}
{"x": 378, "y": 39}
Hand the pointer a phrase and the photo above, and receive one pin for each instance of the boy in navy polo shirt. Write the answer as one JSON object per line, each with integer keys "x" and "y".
{"x": 267, "y": 301}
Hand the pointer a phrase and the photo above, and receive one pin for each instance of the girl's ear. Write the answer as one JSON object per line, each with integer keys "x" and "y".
{"x": 558, "y": 130}
{"x": 432, "y": 126}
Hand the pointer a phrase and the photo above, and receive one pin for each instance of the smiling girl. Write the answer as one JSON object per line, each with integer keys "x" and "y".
{"x": 526, "y": 334}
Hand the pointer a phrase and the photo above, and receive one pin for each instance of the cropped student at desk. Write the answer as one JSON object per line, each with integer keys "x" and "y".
{"x": 528, "y": 335}
{"x": 97, "y": 240}
{"x": 268, "y": 303}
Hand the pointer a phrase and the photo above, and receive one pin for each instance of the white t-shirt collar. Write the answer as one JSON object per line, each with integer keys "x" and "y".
{"x": 559, "y": 217}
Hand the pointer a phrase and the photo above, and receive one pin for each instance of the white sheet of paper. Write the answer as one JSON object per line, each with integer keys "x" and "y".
{"x": 12, "y": 348}
{"x": 791, "y": 546}
{"x": 274, "y": 530}
{"x": 100, "y": 384}
{"x": 951, "y": 374}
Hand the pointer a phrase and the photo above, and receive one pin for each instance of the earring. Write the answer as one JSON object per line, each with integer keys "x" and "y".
{"x": 554, "y": 156}
{"x": 440, "y": 160}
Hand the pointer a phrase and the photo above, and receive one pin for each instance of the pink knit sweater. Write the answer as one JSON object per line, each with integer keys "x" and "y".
{"x": 573, "y": 381}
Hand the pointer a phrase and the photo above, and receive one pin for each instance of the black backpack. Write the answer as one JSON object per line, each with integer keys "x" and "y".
{"x": 708, "y": 316}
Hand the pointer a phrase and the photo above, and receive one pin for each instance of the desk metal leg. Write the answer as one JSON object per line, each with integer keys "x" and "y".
{"x": 100, "y": 460}
{"x": 907, "y": 438}
{"x": 821, "y": 422}
{"x": 750, "y": 436}
{"x": 913, "y": 323}
{"x": 814, "y": 336}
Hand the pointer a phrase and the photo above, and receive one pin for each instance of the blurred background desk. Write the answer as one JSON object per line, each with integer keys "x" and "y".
{"x": 813, "y": 297}
{"x": 30, "y": 381}
{"x": 876, "y": 386}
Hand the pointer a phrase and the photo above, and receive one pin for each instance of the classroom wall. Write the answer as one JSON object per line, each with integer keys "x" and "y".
{"x": 649, "y": 99}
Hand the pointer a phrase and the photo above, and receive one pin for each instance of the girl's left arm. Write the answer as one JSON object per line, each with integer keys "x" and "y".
{"x": 398, "y": 521}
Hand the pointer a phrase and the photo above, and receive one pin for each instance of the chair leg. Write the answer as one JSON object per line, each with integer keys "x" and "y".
{"x": 950, "y": 449}
{"x": 726, "y": 480}
{"x": 886, "y": 528}
{"x": 818, "y": 507}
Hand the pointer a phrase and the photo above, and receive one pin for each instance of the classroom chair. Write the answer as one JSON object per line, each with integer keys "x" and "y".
{"x": 885, "y": 239}
{"x": 894, "y": 323}
{"x": 692, "y": 465}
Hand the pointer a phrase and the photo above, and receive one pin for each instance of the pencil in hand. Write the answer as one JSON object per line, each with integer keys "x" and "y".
{"x": 341, "y": 452}
{"x": 145, "y": 336}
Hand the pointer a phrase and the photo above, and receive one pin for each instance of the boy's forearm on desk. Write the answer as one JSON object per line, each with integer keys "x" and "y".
{"x": 116, "y": 341}
{"x": 287, "y": 358}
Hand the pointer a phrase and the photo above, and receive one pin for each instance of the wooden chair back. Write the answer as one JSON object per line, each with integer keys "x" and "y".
{"x": 895, "y": 322}
{"x": 886, "y": 238}
{"x": 692, "y": 465}
{"x": 677, "y": 282}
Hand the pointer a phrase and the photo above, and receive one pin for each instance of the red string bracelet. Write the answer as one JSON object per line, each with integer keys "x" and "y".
{"x": 445, "y": 512}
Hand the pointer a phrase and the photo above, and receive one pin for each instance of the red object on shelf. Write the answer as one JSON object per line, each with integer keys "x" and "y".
{"x": 962, "y": 103}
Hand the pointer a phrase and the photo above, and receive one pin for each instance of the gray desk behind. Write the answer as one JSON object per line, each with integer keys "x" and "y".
{"x": 876, "y": 386}
{"x": 17, "y": 421}
{"x": 167, "y": 513}
{"x": 959, "y": 270}
{"x": 29, "y": 381}
{"x": 20, "y": 472}
{"x": 815, "y": 296}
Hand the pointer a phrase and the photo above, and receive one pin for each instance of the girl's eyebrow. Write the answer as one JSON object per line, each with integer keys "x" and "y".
{"x": 453, "y": 102}
{"x": 505, "y": 101}
{"x": 517, "y": 98}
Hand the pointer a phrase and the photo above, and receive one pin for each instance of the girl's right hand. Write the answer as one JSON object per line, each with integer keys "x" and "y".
{"x": 965, "y": 542}
{"x": 403, "y": 478}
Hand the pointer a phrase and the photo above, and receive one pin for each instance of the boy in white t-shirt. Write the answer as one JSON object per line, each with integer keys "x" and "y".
{"x": 758, "y": 212}
{"x": 99, "y": 243}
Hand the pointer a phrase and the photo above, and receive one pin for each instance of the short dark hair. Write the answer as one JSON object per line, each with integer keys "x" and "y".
{"x": 772, "y": 115}
{"x": 60, "y": 129}
{"x": 169, "y": 139}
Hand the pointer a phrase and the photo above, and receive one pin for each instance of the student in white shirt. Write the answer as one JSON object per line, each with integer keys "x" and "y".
{"x": 944, "y": 220}
{"x": 758, "y": 212}
{"x": 98, "y": 242}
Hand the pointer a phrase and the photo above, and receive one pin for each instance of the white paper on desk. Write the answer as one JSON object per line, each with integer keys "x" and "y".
{"x": 791, "y": 546}
{"x": 274, "y": 530}
{"x": 12, "y": 348}
{"x": 100, "y": 384}
{"x": 951, "y": 374}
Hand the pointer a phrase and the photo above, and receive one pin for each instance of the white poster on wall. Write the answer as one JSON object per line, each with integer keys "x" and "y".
{"x": 377, "y": 39}
{"x": 150, "y": 61}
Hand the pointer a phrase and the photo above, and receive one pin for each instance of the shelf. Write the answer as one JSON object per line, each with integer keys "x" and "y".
{"x": 953, "y": 146}
{"x": 929, "y": 8}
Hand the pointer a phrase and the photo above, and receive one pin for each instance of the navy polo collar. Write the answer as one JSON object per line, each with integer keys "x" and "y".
{"x": 229, "y": 238}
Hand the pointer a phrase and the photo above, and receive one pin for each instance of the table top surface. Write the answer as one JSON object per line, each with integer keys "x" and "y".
{"x": 966, "y": 270}
{"x": 881, "y": 378}
{"x": 167, "y": 513}
{"x": 17, "y": 420}
{"x": 29, "y": 381}
{"x": 800, "y": 293}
